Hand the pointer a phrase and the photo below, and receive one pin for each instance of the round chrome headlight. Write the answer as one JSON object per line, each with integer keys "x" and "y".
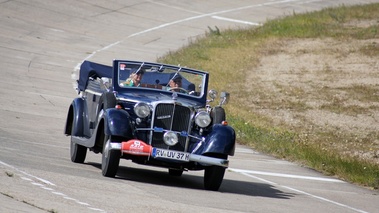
{"x": 142, "y": 110}
{"x": 170, "y": 138}
{"x": 202, "y": 119}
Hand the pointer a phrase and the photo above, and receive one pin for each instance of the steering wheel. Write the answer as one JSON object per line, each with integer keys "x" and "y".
{"x": 178, "y": 88}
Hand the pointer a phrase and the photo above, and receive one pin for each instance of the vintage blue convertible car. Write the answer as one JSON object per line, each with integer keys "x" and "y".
{"x": 150, "y": 122}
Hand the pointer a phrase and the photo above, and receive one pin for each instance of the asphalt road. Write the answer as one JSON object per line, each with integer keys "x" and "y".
{"x": 42, "y": 42}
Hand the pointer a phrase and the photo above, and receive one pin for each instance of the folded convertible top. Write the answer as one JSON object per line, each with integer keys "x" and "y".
{"x": 94, "y": 70}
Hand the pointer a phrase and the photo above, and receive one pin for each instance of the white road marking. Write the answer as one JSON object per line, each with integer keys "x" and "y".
{"x": 324, "y": 199}
{"x": 77, "y": 67}
{"x": 42, "y": 186}
{"x": 214, "y": 15}
{"x": 201, "y": 16}
{"x": 305, "y": 193}
{"x": 37, "y": 184}
{"x": 47, "y": 188}
{"x": 286, "y": 175}
{"x": 27, "y": 174}
{"x": 96, "y": 209}
{"x": 237, "y": 21}
{"x": 59, "y": 193}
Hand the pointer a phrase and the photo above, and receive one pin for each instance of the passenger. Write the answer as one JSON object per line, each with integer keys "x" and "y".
{"x": 134, "y": 78}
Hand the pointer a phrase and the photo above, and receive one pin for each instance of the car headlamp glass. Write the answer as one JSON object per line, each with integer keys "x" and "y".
{"x": 202, "y": 119}
{"x": 142, "y": 110}
{"x": 170, "y": 138}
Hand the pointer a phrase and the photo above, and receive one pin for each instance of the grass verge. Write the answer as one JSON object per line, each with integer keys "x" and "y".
{"x": 230, "y": 53}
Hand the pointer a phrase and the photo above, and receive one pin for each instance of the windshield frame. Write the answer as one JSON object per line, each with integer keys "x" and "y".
{"x": 157, "y": 76}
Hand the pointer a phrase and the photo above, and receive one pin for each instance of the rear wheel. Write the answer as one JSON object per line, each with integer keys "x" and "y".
{"x": 213, "y": 177}
{"x": 110, "y": 158}
{"x": 78, "y": 152}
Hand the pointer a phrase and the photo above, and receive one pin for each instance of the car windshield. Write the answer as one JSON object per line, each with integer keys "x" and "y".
{"x": 161, "y": 77}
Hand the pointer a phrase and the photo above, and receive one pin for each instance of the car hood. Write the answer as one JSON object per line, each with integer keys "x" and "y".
{"x": 149, "y": 97}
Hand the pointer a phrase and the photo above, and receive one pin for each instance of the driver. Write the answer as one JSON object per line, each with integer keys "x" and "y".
{"x": 175, "y": 84}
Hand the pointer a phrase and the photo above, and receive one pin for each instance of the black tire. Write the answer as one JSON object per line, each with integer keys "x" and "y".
{"x": 218, "y": 115}
{"x": 110, "y": 159}
{"x": 213, "y": 177}
{"x": 78, "y": 152}
{"x": 175, "y": 172}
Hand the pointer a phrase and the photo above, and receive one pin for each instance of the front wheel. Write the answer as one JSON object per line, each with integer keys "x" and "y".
{"x": 110, "y": 159}
{"x": 213, "y": 176}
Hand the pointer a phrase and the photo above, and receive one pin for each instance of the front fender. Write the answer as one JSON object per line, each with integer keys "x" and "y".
{"x": 76, "y": 117}
{"x": 220, "y": 141}
{"x": 117, "y": 123}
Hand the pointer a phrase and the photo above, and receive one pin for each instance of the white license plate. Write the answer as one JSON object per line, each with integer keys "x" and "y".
{"x": 170, "y": 154}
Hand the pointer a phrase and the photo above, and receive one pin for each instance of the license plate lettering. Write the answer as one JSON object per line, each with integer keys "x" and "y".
{"x": 160, "y": 153}
{"x": 180, "y": 156}
{"x": 170, "y": 154}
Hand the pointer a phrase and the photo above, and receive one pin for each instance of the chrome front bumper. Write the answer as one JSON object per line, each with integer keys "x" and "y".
{"x": 143, "y": 149}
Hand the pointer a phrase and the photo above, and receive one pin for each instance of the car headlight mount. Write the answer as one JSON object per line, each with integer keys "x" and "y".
{"x": 203, "y": 119}
{"x": 170, "y": 138}
{"x": 142, "y": 109}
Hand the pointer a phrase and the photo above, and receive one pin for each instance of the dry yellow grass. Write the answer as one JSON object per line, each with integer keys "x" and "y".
{"x": 303, "y": 87}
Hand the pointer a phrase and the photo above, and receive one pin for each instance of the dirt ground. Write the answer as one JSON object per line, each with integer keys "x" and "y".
{"x": 323, "y": 85}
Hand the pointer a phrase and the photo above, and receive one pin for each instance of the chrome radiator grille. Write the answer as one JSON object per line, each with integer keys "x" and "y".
{"x": 171, "y": 117}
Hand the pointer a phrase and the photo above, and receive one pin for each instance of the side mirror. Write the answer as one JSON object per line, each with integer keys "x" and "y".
{"x": 224, "y": 98}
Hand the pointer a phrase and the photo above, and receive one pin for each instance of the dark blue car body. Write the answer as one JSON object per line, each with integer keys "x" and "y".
{"x": 150, "y": 124}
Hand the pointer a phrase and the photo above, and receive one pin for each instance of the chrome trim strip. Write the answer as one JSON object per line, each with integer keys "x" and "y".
{"x": 92, "y": 92}
{"x": 165, "y": 130}
{"x": 209, "y": 160}
{"x": 155, "y": 103}
{"x": 115, "y": 146}
{"x": 192, "y": 157}
{"x": 127, "y": 100}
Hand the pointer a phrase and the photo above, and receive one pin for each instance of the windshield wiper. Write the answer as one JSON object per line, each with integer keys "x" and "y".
{"x": 173, "y": 77}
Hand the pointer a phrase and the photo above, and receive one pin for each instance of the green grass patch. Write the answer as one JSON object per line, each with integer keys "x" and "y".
{"x": 294, "y": 147}
{"x": 230, "y": 54}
